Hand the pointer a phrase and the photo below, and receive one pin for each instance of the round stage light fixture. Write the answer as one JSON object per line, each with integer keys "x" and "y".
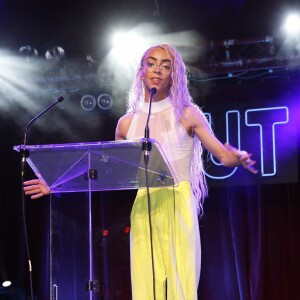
{"x": 6, "y": 283}
{"x": 292, "y": 25}
{"x": 105, "y": 101}
{"x": 28, "y": 51}
{"x": 55, "y": 52}
{"x": 88, "y": 102}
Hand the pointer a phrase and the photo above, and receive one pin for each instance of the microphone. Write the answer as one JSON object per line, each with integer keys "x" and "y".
{"x": 24, "y": 154}
{"x": 25, "y": 140}
{"x": 153, "y": 90}
{"x": 147, "y": 146}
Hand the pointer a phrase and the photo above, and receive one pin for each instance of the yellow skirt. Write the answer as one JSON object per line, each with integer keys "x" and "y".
{"x": 176, "y": 244}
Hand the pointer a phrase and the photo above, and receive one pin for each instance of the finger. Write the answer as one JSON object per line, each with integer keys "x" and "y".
{"x": 252, "y": 169}
{"x": 247, "y": 160}
{"x": 249, "y": 165}
{"x": 244, "y": 155}
{"x": 36, "y": 196}
{"x": 32, "y": 192}
{"x": 29, "y": 188}
{"x": 252, "y": 162}
{"x": 32, "y": 187}
{"x": 31, "y": 182}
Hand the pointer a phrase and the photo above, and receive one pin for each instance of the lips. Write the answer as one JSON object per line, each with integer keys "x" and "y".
{"x": 156, "y": 80}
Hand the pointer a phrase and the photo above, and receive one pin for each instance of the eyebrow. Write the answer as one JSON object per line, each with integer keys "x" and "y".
{"x": 163, "y": 60}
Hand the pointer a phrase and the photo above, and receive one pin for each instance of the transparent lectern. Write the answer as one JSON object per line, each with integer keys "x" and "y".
{"x": 76, "y": 270}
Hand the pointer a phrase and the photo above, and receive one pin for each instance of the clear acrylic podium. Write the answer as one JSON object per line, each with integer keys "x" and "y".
{"x": 73, "y": 172}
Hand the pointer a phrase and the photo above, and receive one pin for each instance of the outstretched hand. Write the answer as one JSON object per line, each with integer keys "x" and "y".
{"x": 35, "y": 188}
{"x": 244, "y": 157}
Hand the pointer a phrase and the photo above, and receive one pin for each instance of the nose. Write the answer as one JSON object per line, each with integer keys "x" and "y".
{"x": 157, "y": 69}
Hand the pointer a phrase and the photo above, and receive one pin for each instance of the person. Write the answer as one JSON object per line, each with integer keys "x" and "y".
{"x": 182, "y": 130}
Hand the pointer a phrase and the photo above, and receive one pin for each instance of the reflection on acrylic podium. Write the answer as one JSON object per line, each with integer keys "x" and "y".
{"x": 73, "y": 172}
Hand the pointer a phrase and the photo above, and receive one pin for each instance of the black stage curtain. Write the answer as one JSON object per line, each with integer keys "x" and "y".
{"x": 250, "y": 243}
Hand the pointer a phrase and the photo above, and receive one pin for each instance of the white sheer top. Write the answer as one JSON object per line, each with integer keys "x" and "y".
{"x": 172, "y": 136}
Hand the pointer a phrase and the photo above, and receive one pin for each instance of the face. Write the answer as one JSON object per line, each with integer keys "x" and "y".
{"x": 157, "y": 73}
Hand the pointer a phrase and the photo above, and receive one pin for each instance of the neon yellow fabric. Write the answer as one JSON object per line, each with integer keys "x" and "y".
{"x": 176, "y": 244}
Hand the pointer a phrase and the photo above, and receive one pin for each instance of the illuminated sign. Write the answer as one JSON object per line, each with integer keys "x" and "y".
{"x": 266, "y": 120}
{"x": 267, "y": 133}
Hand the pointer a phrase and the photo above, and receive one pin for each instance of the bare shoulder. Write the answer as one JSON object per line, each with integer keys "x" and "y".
{"x": 194, "y": 116}
{"x": 123, "y": 126}
{"x": 126, "y": 118}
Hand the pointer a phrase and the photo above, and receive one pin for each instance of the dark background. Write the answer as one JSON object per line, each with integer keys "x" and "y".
{"x": 250, "y": 233}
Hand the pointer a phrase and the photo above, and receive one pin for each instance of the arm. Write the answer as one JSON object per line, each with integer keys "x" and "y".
{"x": 228, "y": 155}
{"x": 123, "y": 127}
{"x": 35, "y": 188}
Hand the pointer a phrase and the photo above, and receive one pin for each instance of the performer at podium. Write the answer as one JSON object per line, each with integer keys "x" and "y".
{"x": 181, "y": 128}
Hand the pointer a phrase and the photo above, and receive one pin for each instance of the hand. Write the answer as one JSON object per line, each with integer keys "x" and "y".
{"x": 244, "y": 157}
{"x": 35, "y": 188}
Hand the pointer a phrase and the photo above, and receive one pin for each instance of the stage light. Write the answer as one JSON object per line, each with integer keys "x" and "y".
{"x": 292, "y": 25}
{"x": 55, "y": 52}
{"x": 90, "y": 61}
{"x": 119, "y": 39}
{"x": 28, "y": 51}
{"x": 127, "y": 44}
{"x": 4, "y": 279}
{"x": 126, "y": 40}
{"x": 88, "y": 102}
{"x": 105, "y": 232}
{"x": 6, "y": 283}
{"x": 105, "y": 101}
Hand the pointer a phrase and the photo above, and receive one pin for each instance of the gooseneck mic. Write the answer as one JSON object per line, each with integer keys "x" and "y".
{"x": 146, "y": 145}
{"x": 24, "y": 154}
{"x": 25, "y": 141}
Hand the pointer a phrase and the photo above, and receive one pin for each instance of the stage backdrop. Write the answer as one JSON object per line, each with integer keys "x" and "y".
{"x": 250, "y": 228}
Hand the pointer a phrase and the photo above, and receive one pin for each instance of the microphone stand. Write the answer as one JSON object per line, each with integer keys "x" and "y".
{"x": 147, "y": 146}
{"x": 24, "y": 155}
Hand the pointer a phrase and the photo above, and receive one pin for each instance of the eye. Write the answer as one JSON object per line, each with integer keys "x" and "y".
{"x": 150, "y": 64}
{"x": 166, "y": 67}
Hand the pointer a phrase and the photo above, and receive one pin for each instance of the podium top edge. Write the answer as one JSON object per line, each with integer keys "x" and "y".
{"x": 84, "y": 145}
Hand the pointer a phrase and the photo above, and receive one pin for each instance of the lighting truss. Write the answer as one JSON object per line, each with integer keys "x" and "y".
{"x": 233, "y": 56}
